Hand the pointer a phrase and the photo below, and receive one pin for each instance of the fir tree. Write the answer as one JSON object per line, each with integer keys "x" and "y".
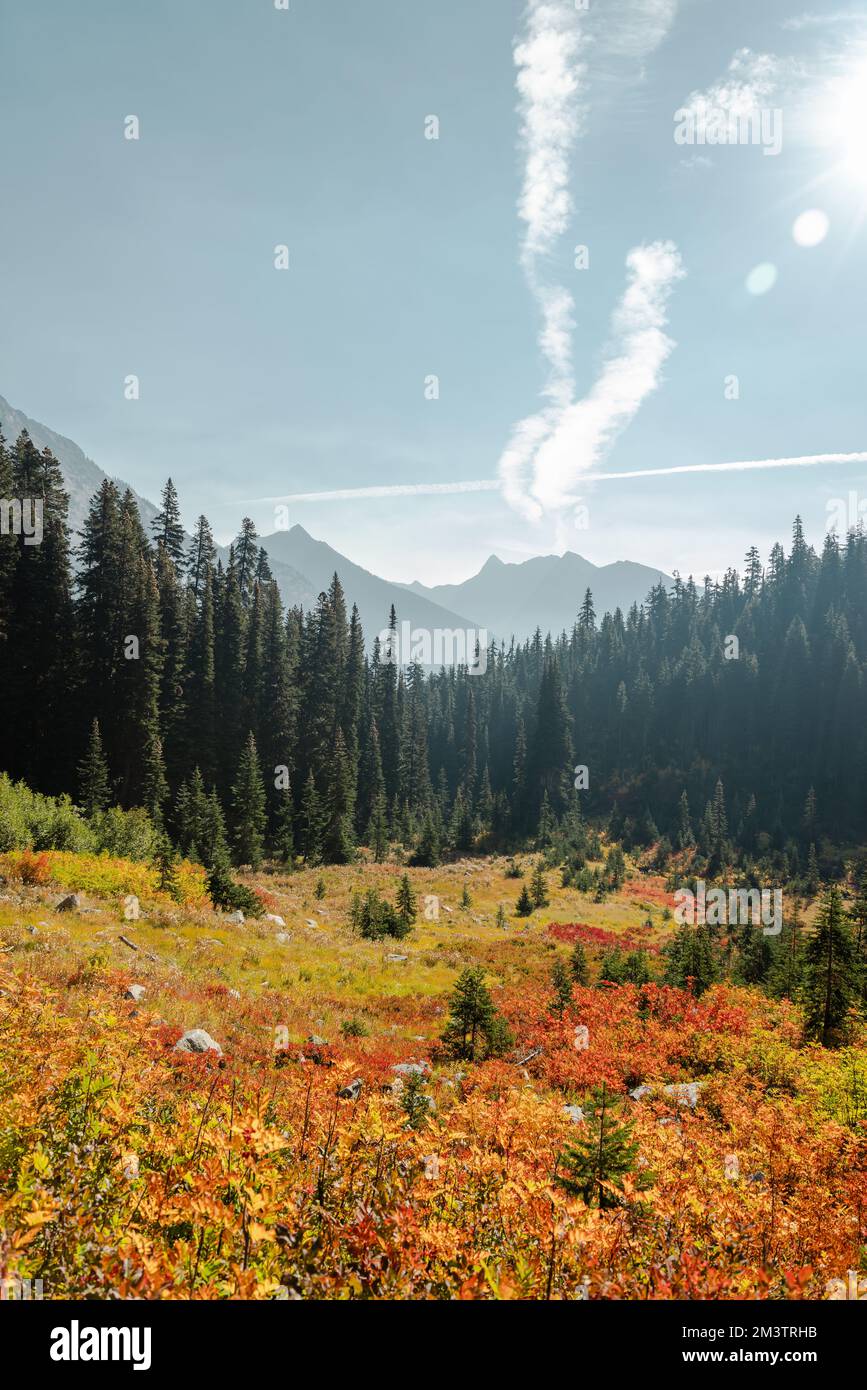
{"x": 474, "y": 1029}
{"x": 831, "y": 975}
{"x": 93, "y": 778}
{"x": 248, "y": 808}
{"x": 596, "y": 1166}
{"x": 578, "y": 965}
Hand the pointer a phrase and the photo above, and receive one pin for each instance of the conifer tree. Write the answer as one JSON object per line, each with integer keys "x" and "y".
{"x": 406, "y": 901}
{"x": 248, "y": 806}
{"x": 831, "y": 975}
{"x": 596, "y": 1166}
{"x": 474, "y": 1029}
{"x": 94, "y": 787}
{"x": 561, "y": 983}
{"x": 578, "y": 965}
{"x": 537, "y": 886}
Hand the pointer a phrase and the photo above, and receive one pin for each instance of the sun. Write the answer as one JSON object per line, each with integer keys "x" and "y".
{"x": 842, "y": 123}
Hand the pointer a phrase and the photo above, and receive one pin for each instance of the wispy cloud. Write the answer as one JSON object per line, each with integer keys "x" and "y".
{"x": 741, "y": 466}
{"x": 751, "y": 81}
{"x": 585, "y": 430}
{"x": 551, "y": 63}
{"x": 351, "y": 494}
{"x": 824, "y": 21}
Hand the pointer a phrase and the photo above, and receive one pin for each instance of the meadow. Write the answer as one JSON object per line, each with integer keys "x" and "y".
{"x": 131, "y": 1169}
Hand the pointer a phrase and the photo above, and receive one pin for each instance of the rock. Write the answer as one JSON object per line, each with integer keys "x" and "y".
{"x": 431, "y": 1167}
{"x": 135, "y": 992}
{"x": 582, "y": 1037}
{"x": 684, "y": 1092}
{"x": 197, "y": 1040}
{"x": 282, "y": 937}
{"x": 236, "y": 917}
{"x": 131, "y": 908}
{"x": 314, "y": 1040}
{"x": 575, "y": 1113}
{"x": 212, "y": 941}
{"x": 395, "y": 959}
{"x": 34, "y": 931}
{"x": 309, "y": 922}
{"x": 233, "y": 993}
{"x": 411, "y": 1068}
{"x": 71, "y": 903}
{"x": 640, "y": 1092}
{"x": 352, "y": 1091}
{"x": 275, "y": 918}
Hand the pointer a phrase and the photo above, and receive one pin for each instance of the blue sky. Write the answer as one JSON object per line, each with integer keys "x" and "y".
{"x": 409, "y": 257}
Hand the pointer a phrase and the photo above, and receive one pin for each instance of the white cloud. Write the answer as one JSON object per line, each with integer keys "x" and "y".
{"x": 585, "y": 430}
{"x": 551, "y": 62}
{"x": 751, "y": 81}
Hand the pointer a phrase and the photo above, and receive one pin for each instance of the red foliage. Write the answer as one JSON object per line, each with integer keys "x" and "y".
{"x": 597, "y": 936}
{"x": 33, "y": 868}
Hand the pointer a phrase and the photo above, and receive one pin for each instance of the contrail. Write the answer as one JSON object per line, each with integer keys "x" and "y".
{"x": 804, "y": 461}
{"x": 351, "y": 494}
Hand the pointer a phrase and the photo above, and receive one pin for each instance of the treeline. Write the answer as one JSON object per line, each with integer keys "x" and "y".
{"x": 148, "y": 673}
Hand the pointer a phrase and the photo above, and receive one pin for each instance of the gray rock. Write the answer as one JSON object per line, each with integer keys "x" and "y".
{"x": 236, "y": 916}
{"x": 411, "y": 1068}
{"x": 34, "y": 931}
{"x": 640, "y": 1092}
{"x": 71, "y": 903}
{"x": 131, "y": 908}
{"x": 309, "y": 922}
{"x": 684, "y": 1092}
{"x": 352, "y": 1091}
{"x": 395, "y": 959}
{"x": 197, "y": 1040}
{"x": 282, "y": 937}
{"x": 575, "y": 1113}
{"x": 315, "y": 1041}
{"x": 233, "y": 993}
{"x": 275, "y": 918}
{"x": 135, "y": 992}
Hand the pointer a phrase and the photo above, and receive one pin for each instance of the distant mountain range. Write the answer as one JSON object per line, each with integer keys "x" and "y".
{"x": 505, "y": 599}
{"x": 544, "y": 592}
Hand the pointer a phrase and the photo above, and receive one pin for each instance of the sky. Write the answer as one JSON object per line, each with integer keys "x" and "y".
{"x": 436, "y": 324}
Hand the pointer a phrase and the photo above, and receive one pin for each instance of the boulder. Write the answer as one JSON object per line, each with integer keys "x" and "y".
{"x": 352, "y": 1091}
{"x": 197, "y": 1040}
{"x": 411, "y": 1068}
{"x": 237, "y": 916}
{"x": 575, "y": 1113}
{"x": 282, "y": 937}
{"x": 135, "y": 992}
{"x": 71, "y": 903}
{"x": 131, "y": 908}
{"x": 394, "y": 959}
{"x": 640, "y": 1092}
{"x": 275, "y": 918}
{"x": 684, "y": 1092}
{"x": 309, "y": 922}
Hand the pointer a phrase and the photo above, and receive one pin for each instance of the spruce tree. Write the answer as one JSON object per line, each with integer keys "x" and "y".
{"x": 831, "y": 974}
{"x": 248, "y": 807}
{"x": 474, "y": 1029}
{"x": 93, "y": 781}
{"x": 596, "y": 1166}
